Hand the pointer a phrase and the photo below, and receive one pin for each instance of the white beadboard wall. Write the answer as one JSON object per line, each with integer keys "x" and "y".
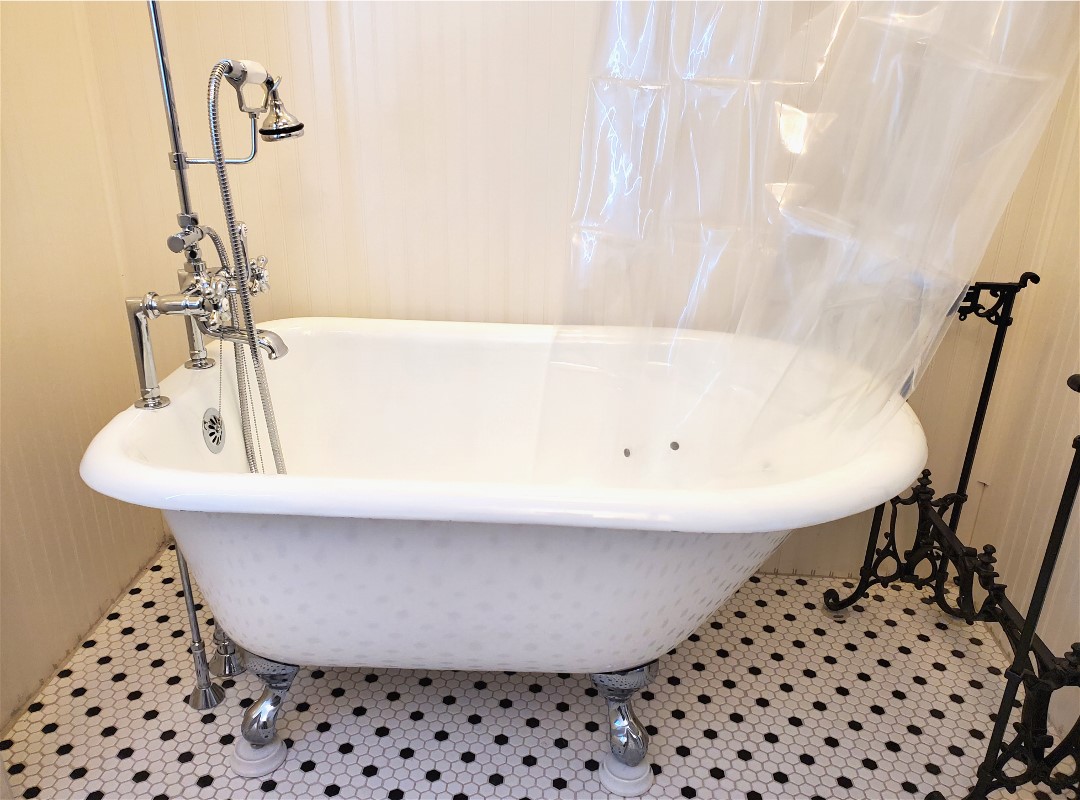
{"x": 65, "y": 552}
{"x": 435, "y": 180}
{"x": 437, "y": 169}
{"x": 1032, "y": 235}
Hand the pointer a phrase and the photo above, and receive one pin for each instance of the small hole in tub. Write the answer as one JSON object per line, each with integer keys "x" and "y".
{"x": 626, "y": 452}
{"x": 674, "y": 445}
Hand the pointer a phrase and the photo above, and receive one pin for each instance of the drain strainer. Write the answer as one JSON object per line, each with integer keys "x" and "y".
{"x": 213, "y": 430}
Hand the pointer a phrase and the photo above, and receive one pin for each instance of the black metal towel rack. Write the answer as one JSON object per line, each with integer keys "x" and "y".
{"x": 938, "y": 559}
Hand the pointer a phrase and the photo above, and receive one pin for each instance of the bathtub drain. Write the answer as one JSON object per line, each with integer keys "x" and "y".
{"x": 213, "y": 430}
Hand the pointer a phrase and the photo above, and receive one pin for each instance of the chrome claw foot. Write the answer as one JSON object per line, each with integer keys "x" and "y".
{"x": 624, "y": 771}
{"x": 228, "y": 660}
{"x": 259, "y": 752}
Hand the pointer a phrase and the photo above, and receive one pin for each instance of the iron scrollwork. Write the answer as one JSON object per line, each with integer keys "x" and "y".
{"x": 939, "y": 560}
{"x": 999, "y": 312}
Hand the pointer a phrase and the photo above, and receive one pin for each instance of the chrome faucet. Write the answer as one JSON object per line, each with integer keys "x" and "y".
{"x": 205, "y": 304}
{"x": 211, "y": 303}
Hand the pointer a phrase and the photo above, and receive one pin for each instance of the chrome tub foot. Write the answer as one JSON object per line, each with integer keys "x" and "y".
{"x": 624, "y": 770}
{"x": 258, "y": 751}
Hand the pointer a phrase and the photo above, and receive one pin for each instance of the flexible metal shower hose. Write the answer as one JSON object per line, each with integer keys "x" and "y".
{"x": 240, "y": 268}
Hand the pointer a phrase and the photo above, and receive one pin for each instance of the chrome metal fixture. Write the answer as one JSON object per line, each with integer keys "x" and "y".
{"x": 215, "y": 304}
{"x": 206, "y": 693}
{"x": 228, "y": 660}
{"x": 279, "y": 123}
{"x": 259, "y": 752}
{"x": 625, "y": 772}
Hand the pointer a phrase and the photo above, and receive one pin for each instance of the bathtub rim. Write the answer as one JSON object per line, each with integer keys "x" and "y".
{"x": 885, "y": 469}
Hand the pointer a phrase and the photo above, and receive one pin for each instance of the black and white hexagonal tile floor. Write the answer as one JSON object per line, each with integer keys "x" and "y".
{"x": 770, "y": 699}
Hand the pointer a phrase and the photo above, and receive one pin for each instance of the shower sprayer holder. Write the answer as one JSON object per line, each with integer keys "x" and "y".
{"x": 250, "y": 73}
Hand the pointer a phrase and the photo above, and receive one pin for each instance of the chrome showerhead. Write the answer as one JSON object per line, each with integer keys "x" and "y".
{"x": 279, "y": 123}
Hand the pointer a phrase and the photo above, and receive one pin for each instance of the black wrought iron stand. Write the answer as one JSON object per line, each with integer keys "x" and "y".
{"x": 1032, "y": 746}
{"x": 937, "y": 554}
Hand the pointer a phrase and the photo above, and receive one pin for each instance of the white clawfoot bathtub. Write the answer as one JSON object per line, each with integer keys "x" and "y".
{"x": 477, "y": 496}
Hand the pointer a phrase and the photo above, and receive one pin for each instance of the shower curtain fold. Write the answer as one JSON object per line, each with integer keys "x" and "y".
{"x": 821, "y": 176}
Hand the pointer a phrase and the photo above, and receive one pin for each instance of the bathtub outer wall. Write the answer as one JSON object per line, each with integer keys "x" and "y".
{"x": 345, "y": 592}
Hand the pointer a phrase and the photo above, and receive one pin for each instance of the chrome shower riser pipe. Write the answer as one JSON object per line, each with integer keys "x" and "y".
{"x": 177, "y": 157}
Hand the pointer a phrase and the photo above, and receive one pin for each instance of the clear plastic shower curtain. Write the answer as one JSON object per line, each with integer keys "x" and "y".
{"x": 779, "y": 205}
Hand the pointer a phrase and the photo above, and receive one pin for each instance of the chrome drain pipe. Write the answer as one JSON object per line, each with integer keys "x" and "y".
{"x": 227, "y": 661}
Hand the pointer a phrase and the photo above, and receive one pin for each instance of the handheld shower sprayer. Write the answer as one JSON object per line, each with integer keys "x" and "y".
{"x": 279, "y": 123}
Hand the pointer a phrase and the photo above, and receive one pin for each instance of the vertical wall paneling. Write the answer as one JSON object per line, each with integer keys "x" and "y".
{"x": 65, "y": 552}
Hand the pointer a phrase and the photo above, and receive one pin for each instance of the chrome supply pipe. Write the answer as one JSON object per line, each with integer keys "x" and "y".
{"x": 193, "y": 282}
{"x": 176, "y": 157}
{"x": 187, "y": 239}
{"x": 196, "y": 346}
{"x": 227, "y": 661}
{"x": 150, "y": 395}
{"x": 206, "y": 693}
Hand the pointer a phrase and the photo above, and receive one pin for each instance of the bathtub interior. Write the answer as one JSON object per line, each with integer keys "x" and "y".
{"x": 461, "y": 402}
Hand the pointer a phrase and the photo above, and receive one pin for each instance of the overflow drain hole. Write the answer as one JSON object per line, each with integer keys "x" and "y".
{"x": 674, "y": 445}
{"x": 213, "y": 430}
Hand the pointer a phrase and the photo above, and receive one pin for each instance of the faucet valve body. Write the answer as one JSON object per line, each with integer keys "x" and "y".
{"x": 205, "y": 302}
{"x": 258, "y": 276}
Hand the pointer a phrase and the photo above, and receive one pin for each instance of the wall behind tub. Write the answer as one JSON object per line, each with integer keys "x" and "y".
{"x": 437, "y": 172}
{"x": 65, "y": 552}
{"x": 435, "y": 180}
{"x": 389, "y": 92}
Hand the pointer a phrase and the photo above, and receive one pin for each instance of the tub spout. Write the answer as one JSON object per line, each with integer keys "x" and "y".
{"x": 272, "y": 344}
{"x": 269, "y": 342}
